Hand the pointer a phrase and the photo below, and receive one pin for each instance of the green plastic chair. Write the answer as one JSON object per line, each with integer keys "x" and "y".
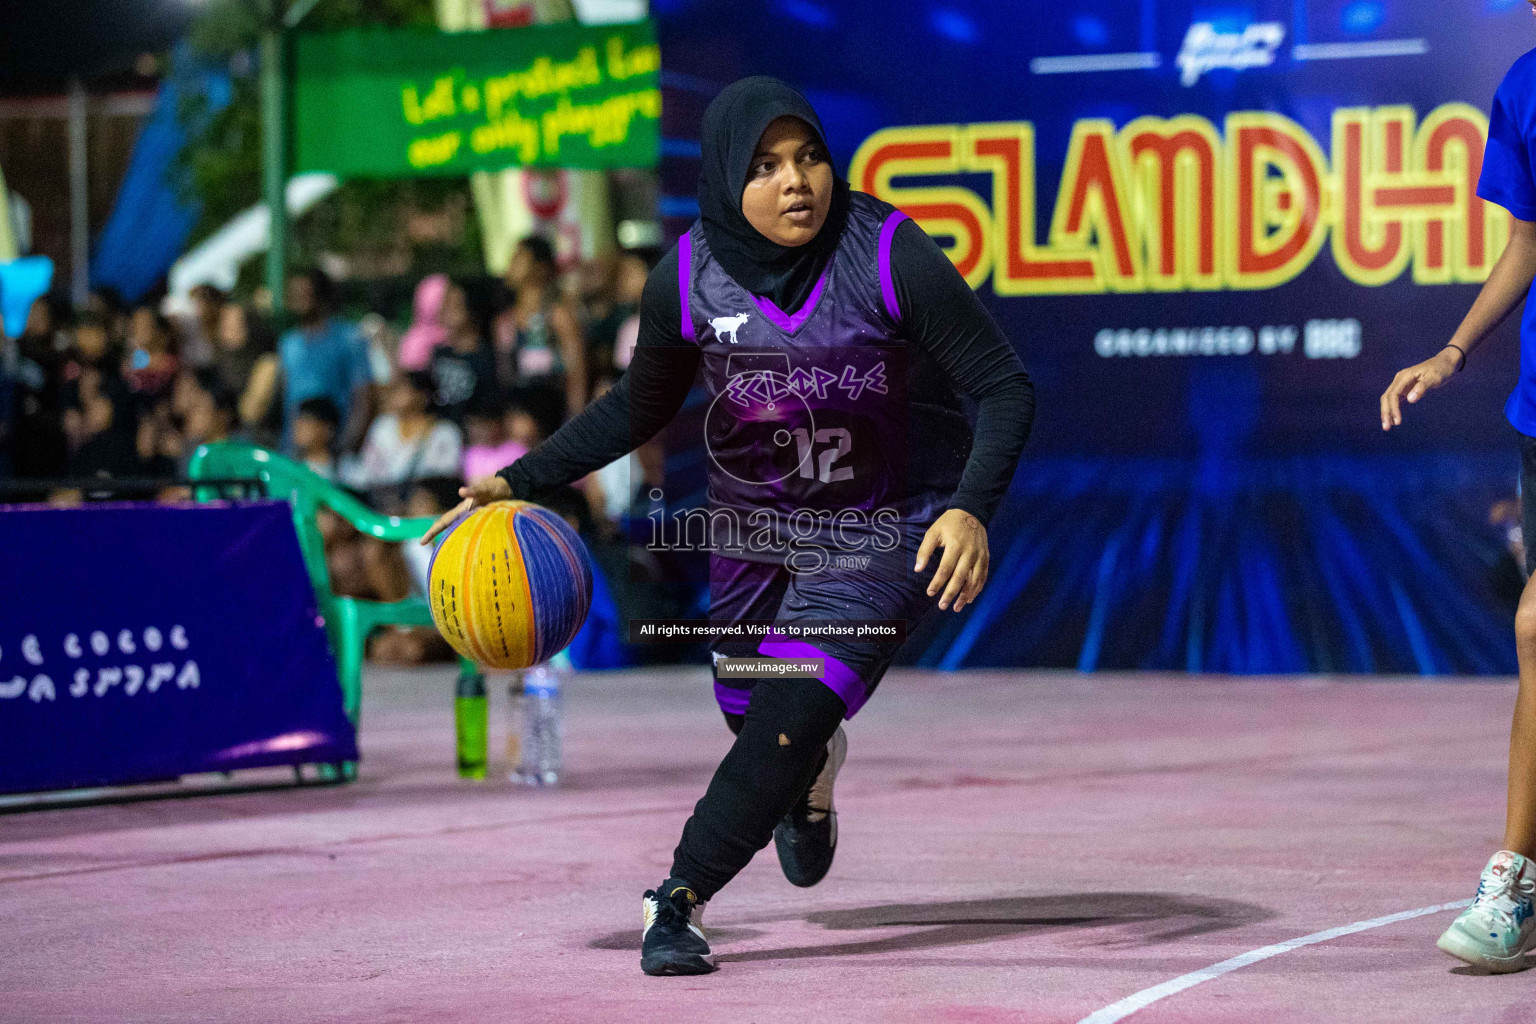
{"x": 348, "y": 620}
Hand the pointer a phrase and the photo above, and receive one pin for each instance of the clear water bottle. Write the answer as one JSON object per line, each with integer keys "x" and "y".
{"x": 515, "y": 727}
{"x": 540, "y": 764}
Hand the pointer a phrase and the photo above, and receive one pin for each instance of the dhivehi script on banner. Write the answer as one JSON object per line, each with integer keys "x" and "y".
{"x": 403, "y": 103}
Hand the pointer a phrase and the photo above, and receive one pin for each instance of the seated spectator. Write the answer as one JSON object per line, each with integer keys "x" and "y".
{"x": 107, "y": 304}
{"x": 152, "y": 361}
{"x": 38, "y": 445}
{"x": 463, "y": 367}
{"x": 93, "y": 347}
{"x": 190, "y": 385}
{"x": 314, "y": 435}
{"x": 214, "y": 416}
{"x": 324, "y": 357}
{"x": 426, "y": 332}
{"x": 246, "y": 361}
{"x": 608, "y": 347}
{"x": 166, "y": 436}
{"x": 200, "y": 328}
{"x": 612, "y": 490}
{"x": 105, "y": 427}
{"x": 160, "y": 444}
{"x": 593, "y": 297}
{"x": 412, "y": 645}
{"x": 93, "y": 357}
{"x": 406, "y": 444}
{"x": 487, "y": 448}
{"x": 383, "y": 343}
{"x": 540, "y": 354}
{"x": 429, "y": 498}
{"x": 522, "y": 427}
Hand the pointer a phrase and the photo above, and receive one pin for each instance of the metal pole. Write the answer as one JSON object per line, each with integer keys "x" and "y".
{"x": 274, "y": 150}
{"x": 79, "y": 198}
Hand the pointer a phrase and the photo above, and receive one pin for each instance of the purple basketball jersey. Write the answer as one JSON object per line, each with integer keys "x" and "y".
{"x": 815, "y": 417}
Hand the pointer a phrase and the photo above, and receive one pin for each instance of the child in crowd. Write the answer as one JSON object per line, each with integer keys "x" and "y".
{"x": 405, "y": 444}
{"x": 522, "y": 427}
{"x": 314, "y": 435}
{"x": 488, "y": 446}
{"x": 412, "y": 645}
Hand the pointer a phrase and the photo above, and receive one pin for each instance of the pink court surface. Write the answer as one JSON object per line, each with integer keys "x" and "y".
{"x": 1015, "y": 847}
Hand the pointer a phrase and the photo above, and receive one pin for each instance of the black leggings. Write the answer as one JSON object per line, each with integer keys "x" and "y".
{"x": 781, "y": 744}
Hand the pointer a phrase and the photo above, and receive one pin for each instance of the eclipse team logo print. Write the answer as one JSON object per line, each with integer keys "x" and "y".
{"x": 757, "y": 429}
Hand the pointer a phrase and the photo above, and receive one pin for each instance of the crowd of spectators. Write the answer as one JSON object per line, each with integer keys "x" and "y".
{"x": 400, "y": 413}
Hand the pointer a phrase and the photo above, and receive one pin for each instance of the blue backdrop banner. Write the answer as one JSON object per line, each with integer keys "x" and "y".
{"x": 142, "y": 642}
{"x": 1215, "y": 230}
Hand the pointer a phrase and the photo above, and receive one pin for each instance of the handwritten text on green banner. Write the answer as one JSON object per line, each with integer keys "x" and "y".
{"x": 404, "y": 103}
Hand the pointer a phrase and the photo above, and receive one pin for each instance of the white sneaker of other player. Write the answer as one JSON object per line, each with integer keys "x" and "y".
{"x": 1495, "y": 931}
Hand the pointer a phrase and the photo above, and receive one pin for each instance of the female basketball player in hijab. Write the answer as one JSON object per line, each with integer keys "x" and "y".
{"x": 833, "y": 336}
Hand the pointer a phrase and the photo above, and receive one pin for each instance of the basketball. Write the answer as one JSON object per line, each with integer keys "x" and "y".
{"x": 509, "y": 585}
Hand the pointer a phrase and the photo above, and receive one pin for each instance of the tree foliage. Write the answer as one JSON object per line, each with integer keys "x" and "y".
{"x": 364, "y": 220}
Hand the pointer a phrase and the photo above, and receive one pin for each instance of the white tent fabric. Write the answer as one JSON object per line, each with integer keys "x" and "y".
{"x": 218, "y": 259}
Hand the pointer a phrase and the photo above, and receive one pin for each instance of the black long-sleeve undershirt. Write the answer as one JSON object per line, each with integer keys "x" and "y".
{"x": 940, "y": 314}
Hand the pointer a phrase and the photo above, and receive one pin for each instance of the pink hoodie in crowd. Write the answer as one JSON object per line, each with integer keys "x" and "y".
{"x": 426, "y": 331}
{"x": 483, "y": 460}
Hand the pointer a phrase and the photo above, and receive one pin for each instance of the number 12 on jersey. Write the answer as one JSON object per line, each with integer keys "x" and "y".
{"x": 822, "y": 468}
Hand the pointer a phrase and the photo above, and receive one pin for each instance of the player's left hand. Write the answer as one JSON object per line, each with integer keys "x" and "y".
{"x": 966, "y": 558}
{"x": 1415, "y": 381}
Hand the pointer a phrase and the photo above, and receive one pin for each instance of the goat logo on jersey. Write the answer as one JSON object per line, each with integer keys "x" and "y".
{"x": 727, "y": 326}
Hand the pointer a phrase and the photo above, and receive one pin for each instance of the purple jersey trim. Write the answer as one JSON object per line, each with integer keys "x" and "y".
{"x": 782, "y": 320}
{"x": 731, "y": 700}
{"x": 684, "y": 274}
{"x": 840, "y": 679}
{"x": 887, "y": 284}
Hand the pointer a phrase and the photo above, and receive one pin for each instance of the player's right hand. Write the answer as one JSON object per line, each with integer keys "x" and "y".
{"x": 480, "y": 491}
{"x": 1414, "y": 382}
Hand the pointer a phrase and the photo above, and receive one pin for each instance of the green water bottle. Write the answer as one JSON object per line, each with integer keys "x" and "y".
{"x": 469, "y": 719}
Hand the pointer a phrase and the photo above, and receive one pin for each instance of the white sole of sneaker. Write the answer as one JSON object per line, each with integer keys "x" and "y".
{"x": 1468, "y": 952}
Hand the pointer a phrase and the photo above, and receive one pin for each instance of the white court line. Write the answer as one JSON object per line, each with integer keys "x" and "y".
{"x": 1147, "y": 996}
{"x": 1368, "y": 48}
{"x": 1095, "y": 62}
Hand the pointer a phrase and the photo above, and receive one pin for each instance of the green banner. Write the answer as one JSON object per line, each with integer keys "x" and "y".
{"x": 403, "y": 103}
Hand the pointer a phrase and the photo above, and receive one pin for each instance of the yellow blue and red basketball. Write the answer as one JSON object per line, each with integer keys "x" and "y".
{"x": 509, "y": 585}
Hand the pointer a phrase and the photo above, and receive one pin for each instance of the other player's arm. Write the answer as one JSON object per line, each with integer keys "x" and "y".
{"x": 632, "y": 412}
{"x": 1505, "y": 288}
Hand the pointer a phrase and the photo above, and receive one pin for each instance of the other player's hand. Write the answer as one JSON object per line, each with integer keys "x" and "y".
{"x": 1413, "y": 382}
{"x": 966, "y": 558}
{"x": 480, "y": 491}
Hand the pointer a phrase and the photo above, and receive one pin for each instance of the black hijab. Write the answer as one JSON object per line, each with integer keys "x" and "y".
{"x": 733, "y": 125}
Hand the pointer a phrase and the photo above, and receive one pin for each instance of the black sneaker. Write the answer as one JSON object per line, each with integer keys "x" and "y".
{"x": 673, "y": 941}
{"x": 807, "y": 837}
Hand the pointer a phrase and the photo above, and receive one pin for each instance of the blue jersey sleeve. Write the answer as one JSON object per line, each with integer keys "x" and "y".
{"x": 1506, "y": 177}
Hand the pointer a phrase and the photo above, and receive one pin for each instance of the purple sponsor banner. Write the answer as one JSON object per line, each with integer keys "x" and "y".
{"x": 143, "y": 642}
